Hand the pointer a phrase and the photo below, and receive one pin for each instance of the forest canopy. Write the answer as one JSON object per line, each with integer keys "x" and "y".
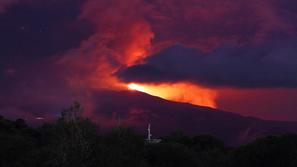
{"x": 75, "y": 141}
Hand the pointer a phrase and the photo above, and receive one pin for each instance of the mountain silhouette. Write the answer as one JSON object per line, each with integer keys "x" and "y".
{"x": 137, "y": 109}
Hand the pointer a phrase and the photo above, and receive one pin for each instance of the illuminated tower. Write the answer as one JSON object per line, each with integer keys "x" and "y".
{"x": 149, "y": 135}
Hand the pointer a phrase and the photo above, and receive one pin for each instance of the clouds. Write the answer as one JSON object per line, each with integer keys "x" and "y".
{"x": 37, "y": 30}
{"x": 268, "y": 65}
{"x": 208, "y": 24}
{"x": 125, "y": 33}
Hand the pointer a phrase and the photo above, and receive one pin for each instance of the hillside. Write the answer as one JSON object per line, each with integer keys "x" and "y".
{"x": 137, "y": 109}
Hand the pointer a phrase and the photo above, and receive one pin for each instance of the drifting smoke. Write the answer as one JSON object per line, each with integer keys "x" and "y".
{"x": 123, "y": 38}
{"x": 127, "y": 32}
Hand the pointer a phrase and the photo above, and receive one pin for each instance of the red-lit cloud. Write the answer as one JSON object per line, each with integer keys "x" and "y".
{"x": 128, "y": 33}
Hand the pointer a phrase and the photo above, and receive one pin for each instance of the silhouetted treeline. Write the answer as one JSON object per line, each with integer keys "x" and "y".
{"x": 73, "y": 141}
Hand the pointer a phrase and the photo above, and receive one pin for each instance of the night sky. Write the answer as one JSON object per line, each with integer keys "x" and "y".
{"x": 234, "y": 55}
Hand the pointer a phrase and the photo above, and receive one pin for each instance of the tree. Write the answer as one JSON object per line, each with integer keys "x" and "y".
{"x": 171, "y": 155}
{"x": 122, "y": 147}
{"x": 73, "y": 139}
{"x": 272, "y": 151}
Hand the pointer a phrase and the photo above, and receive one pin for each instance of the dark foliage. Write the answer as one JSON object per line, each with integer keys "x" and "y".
{"x": 74, "y": 141}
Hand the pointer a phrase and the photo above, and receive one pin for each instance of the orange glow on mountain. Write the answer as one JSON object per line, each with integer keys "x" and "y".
{"x": 137, "y": 87}
{"x": 179, "y": 92}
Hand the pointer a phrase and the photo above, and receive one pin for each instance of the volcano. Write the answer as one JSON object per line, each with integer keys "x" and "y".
{"x": 137, "y": 109}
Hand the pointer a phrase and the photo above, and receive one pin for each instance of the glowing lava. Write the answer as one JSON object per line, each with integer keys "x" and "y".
{"x": 137, "y": 87}
{"x": 179, "y": 92}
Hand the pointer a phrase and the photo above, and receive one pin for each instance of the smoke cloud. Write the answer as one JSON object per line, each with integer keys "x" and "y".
{"x": 266, "y": 66}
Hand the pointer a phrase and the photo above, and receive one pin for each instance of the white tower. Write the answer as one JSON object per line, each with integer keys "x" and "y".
{"x": 149, "y": 135}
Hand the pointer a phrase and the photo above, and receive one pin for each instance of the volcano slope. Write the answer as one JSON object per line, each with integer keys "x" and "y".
{"x": 136, "y": 109}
